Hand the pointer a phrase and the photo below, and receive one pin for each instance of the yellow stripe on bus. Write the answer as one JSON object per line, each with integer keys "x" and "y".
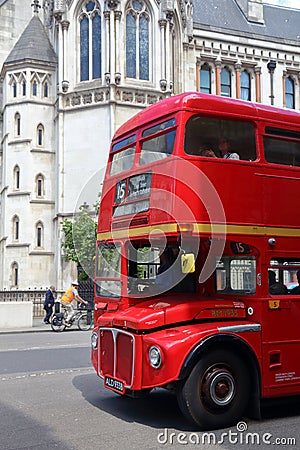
{"x": 201, "y": 228}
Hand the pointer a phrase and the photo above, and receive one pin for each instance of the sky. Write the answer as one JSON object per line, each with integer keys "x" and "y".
{"x": 288, "y": 3}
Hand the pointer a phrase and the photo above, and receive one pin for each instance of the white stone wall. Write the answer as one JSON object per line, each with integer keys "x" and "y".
{"x": 15, "y": 315}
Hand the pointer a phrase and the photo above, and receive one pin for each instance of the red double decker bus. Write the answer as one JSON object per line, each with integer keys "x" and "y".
{"x": 198, "y": 257}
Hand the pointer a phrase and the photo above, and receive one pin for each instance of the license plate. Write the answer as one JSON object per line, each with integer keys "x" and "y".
{"x": 113, "y": 384}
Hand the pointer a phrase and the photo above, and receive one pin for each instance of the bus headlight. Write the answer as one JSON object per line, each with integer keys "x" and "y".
{"x": 155, "y": 358}
{"x": 94, "y": 340}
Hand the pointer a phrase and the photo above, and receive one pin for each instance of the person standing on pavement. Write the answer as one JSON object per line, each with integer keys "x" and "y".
{"x": 67, "y": 299}
{"x": 49, "y": 303}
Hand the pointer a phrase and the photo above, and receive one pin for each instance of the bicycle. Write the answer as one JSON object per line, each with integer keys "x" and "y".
{"x": 83, "y": 318}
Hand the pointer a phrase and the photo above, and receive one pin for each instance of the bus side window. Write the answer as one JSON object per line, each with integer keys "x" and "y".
{"x": 236, "y": 275}
{"x": 276, "y": 287}
{"x": 284, "y": 276}
{"x": 279, "y": 151}
{"x": 157, "y": 148}
{"x": 209, "y": 129}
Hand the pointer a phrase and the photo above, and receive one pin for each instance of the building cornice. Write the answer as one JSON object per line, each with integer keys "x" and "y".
{"x": 18, "y": 193}
{"x": 27, "y": 64}
{"x": 19, "y": 141}
{"x": 43, "y": 151}
{"x": 17, "y": 245}
{"x": 245, "y": 34}
{"x": 123, "y": 95}
{"x": 41, "y": 253}
{"x": 42, "y": 202}
{"x": 4, "y": 189}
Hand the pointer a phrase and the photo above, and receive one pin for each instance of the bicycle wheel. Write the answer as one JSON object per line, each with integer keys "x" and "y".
{"x": 83, "y": 323}
{"x": 57, "y": 323}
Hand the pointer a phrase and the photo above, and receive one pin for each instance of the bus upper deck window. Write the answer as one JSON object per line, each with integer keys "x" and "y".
{"x": 209, "y": 131}
{"x": 122, "y": 160}
{"x": 161, "y": 143}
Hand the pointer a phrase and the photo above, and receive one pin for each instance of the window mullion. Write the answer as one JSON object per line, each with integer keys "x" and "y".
{"x": 137, "y": 47}
{"x": 90, "y": 48}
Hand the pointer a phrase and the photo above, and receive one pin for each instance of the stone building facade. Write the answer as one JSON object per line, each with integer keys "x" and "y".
{"x": 74, "y": 70}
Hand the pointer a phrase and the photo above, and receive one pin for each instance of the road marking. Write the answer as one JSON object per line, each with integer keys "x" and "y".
{"x": 44, "y": 347}
{"x": 44, "y": 374}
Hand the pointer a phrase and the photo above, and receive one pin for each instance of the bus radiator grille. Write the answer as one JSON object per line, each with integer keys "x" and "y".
{"x": 116, "y": 355}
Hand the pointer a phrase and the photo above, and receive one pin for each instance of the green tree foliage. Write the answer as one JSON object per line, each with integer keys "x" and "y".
{"x": 80, "y": 241}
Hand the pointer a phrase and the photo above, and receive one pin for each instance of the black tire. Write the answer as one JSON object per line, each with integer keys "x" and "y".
{"x": 216, "y": 393}
{"x": 83, "y": 324}
{"x": 57, "y": 324}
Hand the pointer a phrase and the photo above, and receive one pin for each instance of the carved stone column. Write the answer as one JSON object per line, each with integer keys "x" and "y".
{"x": 257, "y": 72}
{"x": 284, "y": 89}
{"x": 185, "y": 81}
{"x": 163, "y": 24}
{"x": 218, "y": 77}
{"x": 60, "y": 54}
{"x": 65, "y": 75}
{"x": 198, "y": 67}
{"x": 238, "y": 68}
{"x": 107, "y": 46}
{"x": 118, "y": 16}
{"x": 168, "y": 58}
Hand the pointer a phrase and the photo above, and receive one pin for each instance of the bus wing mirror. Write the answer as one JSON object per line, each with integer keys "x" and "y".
{"x": 188, "y": 263}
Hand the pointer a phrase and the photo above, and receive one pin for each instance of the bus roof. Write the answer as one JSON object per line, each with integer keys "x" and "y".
{"x": 198, "y": 101}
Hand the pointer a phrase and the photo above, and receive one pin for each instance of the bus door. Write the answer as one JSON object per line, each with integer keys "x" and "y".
{"x": 280, "y": 327}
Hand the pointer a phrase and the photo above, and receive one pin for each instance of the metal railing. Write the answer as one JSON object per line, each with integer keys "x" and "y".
{"x": 37, "y": 297}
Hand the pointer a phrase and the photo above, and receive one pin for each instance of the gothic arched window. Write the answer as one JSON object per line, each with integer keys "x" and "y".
{"x": 90, "y": 41}
{"x": 40, "y": 135}
{"x": 40, "y": 185}
{"x": 34, "y": 88}
{"x": 289, "y": 93}
{"x": 46, "y": 90}
{"x": 39, "y": 234}
{"x": 15, "y": 274}
{"x": 137, "y": 40}
{"x": 245, "y": 86}
{"x": 17, "y": 124}
{"x": 225, "y": 83}
{"x": 16, "y": 175}
{"x": 16, "y": 228}
{"x": 205, "y": 79}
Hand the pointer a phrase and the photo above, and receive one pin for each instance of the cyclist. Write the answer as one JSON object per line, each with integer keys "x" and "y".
{"x": 67, "y": 299}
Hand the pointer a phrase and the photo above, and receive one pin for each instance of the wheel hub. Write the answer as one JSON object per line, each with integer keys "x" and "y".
{"x": 218, "y": 387}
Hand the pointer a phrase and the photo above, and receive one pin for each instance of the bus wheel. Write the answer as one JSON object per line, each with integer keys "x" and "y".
{"x": 216, "y": 393}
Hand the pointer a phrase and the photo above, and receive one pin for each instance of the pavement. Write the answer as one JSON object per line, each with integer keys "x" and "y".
{"x": 37, "y": 326}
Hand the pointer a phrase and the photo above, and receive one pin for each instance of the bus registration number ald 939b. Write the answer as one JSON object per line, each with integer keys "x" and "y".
{"x": 115, "y": 385}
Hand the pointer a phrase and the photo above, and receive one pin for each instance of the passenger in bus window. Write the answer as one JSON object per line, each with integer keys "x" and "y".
{"x": 206, "y": 150}
{"x": 224, "y": 148}
{"x": 275, "y": 287}
{"x": 296, "y": 289}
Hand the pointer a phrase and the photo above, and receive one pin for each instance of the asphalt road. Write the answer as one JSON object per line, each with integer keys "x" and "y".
{"x": 51, "y": 398}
